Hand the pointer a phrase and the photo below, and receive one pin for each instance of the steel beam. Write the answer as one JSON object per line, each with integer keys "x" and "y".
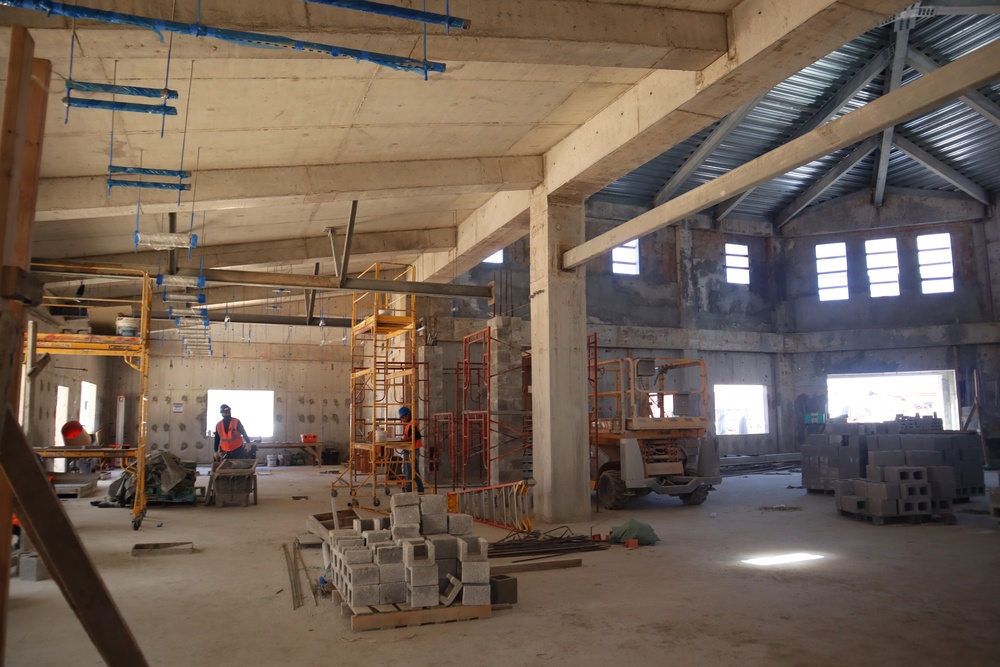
{"x": 707, "y": 147}
{"x": 949, "y": 174}
{"x": 258, "y": 318}
{"x": 327, "y": 283}
{"x": 920, "y": 96}
{"x": 881, "y": 174}
{"x": 845, "y": 94}
{"x": 827, "y": 180}
{"x": 975, "y": 100}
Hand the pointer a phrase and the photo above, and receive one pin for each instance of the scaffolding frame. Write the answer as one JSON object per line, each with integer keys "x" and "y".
{"x": 385, "y": 377}
{"x": 133, "y": 350}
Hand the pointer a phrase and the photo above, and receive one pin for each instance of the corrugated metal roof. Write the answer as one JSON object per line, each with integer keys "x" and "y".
{"x": 955, "y": 133}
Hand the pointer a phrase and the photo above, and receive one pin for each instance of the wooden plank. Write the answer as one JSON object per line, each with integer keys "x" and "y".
{"x": 63, "y": 552}
{"x": 536, "y": 566}
{"x": 413, "y": 617}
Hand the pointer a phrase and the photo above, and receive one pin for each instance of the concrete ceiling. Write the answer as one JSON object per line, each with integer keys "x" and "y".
{"x": 558, "y": 96}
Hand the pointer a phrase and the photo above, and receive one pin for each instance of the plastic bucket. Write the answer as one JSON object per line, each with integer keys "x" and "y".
{"x": 127, "y": 326}
{"x": 272, "y": 460}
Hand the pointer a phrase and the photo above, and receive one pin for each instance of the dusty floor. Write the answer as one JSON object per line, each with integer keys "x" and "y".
{"x": 891, "y": 595}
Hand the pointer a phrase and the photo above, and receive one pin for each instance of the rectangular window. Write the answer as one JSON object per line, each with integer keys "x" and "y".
{"x": 495, "y": 258}
{"x": 737, "y": 264}
{"x": 879, "y": 397}
{"x": 831, "y": 271}
{"x": 254, "y": 409}
{"x": 937, "y": 273}
{"x": 740, "y": 409}
{"x": 883, "y": 267}
{"x": 88, "y": 406}
{"x": 625, "y": 258}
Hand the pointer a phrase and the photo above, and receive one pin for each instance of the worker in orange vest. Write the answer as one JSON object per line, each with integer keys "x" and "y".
{"x": 411, "y": 434}
{"x": 230, "y": 436}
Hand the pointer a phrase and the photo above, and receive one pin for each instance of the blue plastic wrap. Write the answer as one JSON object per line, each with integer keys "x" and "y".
{"x": 108, "y": 105}
{"x": 149, "y": 185}
{"x": 397, "y": 12}
{"x": 135, "y": 171}
{"x": 113, "y": 89}
{"x": 253, "y": 39}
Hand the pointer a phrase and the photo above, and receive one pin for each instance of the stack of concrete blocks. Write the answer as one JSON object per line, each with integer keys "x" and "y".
{"x": 995, "y": 503}
{"x": 963, "y": 452}
{"x": 828, "y": 458}
{"x": 474, "y": 569}
{"x": 899, "y": 483}
{"x": 412, "y": 557}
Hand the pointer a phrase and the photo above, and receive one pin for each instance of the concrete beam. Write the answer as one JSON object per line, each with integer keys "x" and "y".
{"x": 557, "y": 32}
{"x": 85, "y": 197}
{"x": 968, "y": 73}
{"x": 770, "y": 42}
{"x": 949, "y": 174}
{"x": 828, "y": 180}
{"x": 495, "y": 225}
{"x": 975, "y": 100}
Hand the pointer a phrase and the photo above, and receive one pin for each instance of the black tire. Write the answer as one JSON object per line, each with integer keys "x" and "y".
{"x": 376, "y": 502}
{"x": 334, "y": 493}
{"x": 696, "y": 497}
{"x": 611, "y": 490}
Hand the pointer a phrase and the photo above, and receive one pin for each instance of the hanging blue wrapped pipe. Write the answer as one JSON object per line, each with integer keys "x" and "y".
{"x": 397, "y": 12}
{"x": 149, "y": 185}
{"x": 136, "y": 171}
{"x": 258, "y": 40}
{"x": 112, "y": 89}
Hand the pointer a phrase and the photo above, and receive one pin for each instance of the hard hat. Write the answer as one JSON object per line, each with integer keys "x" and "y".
{"x": 403, "y": 411}
{"x": 225, "y": 408}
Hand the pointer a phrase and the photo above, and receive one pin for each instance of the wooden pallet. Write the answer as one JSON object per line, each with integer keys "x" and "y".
{"x": 385, "y": 616}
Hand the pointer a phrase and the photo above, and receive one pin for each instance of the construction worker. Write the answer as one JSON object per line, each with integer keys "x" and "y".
{"x": 230, "y": 436}
{"x": 411, "y": 434}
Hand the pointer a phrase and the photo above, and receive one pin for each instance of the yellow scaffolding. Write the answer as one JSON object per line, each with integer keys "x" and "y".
{"x": 133, "y": 350}
{"x": 384, "y": 378}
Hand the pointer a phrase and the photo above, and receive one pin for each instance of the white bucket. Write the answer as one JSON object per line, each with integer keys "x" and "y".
{"x": 381, "y": 435}
{"x": 272, "y": 460}
{"x": 127, "y": 326}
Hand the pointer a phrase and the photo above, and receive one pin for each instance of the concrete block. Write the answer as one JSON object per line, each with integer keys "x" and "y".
{"x": 854, "y": 504}
{"x": 905, "y": 474}
{"x": 388, "y": 553}
{"x": 944, "y": 474}
{"x": 356, "y": 555}
{"x": 373, "y": 537}
{"x": 418, "y": 553}
{"x": 939, "y": 505}
{"x": 424, "y": 596}
{"x": 995, "y": 495}
{"x": 844, "y": 487}
{"x": 887, "y": 457}
{"x": 433, "y": 504}
{"x": 473, "y": 548}
{"x": 422, "y": 575}
{"x": 391, "y": 573}
{"x": 875, "y": 473}
{"x": 923, "y": 458}
{"x": 343, "y": 532}
{"x": 882, "y": 491}
{"x": 342, "y": 543}
{"x": 404, "y": 500}
{"x": 503, "y": 589}
{"x": 362, "y": 574}
{"x": 445, "y": 546}
{"x": 884, "y": 508}
{"x": 914, "y": 490}
{"x": 475, "y": 571}
{"x": 392, "y": 593}
{"x": 406, "y": 515}
{"x": 914, "y": 507}
{"x": 434, "y": 524}
{"x": 450, "y": 590}
{"x": 475, "y": 595}
{"x": 403, "y": 531}
{"x": 363, "y": 525}
{"x": 363, "y": 596}
{"x": 459, "y": 524}
{"x": 943, "y": 490}
{"x": 31, "y": 567}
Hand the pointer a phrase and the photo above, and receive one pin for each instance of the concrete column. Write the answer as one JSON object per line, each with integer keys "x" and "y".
{"x": 558, "y": 363}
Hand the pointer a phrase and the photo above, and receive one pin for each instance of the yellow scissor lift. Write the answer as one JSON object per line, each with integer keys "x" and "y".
{"x": 134, "y": 350}
{"x": 384, "y": 378}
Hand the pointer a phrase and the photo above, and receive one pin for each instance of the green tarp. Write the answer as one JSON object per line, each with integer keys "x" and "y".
{"x": 634, "y": 530}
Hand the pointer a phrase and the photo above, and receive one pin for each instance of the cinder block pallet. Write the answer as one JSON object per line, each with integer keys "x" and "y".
{"x": 821, "y": 492}
{"x": 948, "y": 519}
{"x": 385, "y": 616}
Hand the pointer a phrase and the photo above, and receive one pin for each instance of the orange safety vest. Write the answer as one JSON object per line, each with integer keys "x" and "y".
{"x": 406, "y": 436}
{"x": 232, "y": 440}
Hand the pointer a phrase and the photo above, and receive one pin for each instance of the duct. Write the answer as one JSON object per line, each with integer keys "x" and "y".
{"x": 256, "y": 318}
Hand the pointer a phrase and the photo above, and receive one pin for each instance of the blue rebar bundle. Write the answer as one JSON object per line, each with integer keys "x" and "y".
{"x": 258, "y": 40}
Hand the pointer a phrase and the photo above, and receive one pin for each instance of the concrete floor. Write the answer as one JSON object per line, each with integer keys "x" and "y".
{"x": 891, "y": 595}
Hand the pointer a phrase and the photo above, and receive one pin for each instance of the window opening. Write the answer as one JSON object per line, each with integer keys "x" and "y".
{"x": 831, "y": 271}
{"x": 495, "y": 258}
{"x": 625, "y": 258}
{"x": 254, "y": 409}
{"x": 737, "y": 264}
{"x": 937, "y": 271}
{"x": 879, "y": 397}
{"x": 740, "y": 409}
{"x": 883, "y": 267}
